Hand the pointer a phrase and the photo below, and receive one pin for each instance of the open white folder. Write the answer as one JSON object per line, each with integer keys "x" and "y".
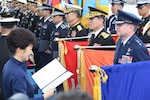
{"x": 51, "y": 75}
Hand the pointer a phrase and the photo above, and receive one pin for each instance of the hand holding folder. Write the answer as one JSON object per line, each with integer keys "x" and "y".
{"x": 51, "y": 75}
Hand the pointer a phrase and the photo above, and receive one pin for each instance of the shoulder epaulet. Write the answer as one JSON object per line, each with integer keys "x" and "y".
{"x": 63, "y": 26}
{"x": 148, "y": 32}
{"x": 104, "y": 35}
{"x": 79, "y": 28}
{"x": 50, "y": 19}
{"x": 138, "y": 42}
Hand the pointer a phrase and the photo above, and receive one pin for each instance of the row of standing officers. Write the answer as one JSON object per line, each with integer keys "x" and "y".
{"x": 47, "y": 26}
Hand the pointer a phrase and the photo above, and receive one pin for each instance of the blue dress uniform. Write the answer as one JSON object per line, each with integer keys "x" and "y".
{"x": 134, "y": 50}
{"x": 44, "y": 40}
{"x": 61, "y": 31}
{"x": 110, "y": 22}
{"x": 32, "y": 22}
{"x": 4, "y": 57}
{"x": 24, "y": 21}
{"x": 17, "y": 80}
{"x": 4, "y": 51}
{"x": 143, "y": 32}
{"x": 103, "y": 37}
{"x": 44, "y": 37}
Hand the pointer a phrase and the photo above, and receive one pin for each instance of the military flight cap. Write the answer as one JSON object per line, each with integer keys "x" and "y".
{"x": 142, "y": 3}
{"x": 58, "y": 12}
{"x": 93, "y": 12}
{"x": 46, "y": 7}
{"x": 118, "y": 2}
{"x": 8, "y": 20}
{"x": 126, "y": 17}
{"x": 71, "y": 7}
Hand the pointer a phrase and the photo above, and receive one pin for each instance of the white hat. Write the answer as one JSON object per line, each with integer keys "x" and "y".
{"x": 71, "y": 7}
{"x": 142, "y": 1}
{"x": 9, "y": 20}
{"x": 58, "y": 12}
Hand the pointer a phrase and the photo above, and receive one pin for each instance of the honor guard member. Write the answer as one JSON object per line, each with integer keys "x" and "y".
{"x": 40, "y": 21}
{"x": 110, "y": 23}
{"x": 61, "y": 30}
{"x": 143, "y": 31}
{"x": 73, "y": 14}
{"x": 19, "y": 12}
{"x": 16, "y": 8}
{"x": 129, "y": 47}
{"x": 33, "y": 17}
{"x": 8, "y": 23}
{"x": 37, "y": 33}
{"x": 45, "y": 33}
{"x": 99, "y": 36}
{"x": 24, "y": 20}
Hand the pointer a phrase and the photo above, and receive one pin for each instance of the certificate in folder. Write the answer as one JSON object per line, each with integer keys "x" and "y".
{"x": 51, "y": 75}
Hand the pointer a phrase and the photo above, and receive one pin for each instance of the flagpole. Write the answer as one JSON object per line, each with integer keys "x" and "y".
{"x": 73, "y": 38}
{"x": 76, "y": 47}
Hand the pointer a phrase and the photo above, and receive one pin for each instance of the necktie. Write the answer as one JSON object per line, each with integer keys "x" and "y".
{"x": 91, "y": 39}
{"x": 92, "y": 36}
{"x": 121, "y": 45}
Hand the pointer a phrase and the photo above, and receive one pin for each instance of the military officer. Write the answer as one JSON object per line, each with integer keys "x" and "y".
{"x": 44, "y": 36}
{"x": 24, "y": 19}
{"x": 39, "y": 22}
{"x": 33, "y": 18}
{"x": 7, "y": 25}
{"x": 110, "y": 23}
{"x": 129, "y": 47}
{"x": 99, "y": 36}
{"x": 61, "y": 30}
{"x": 37, "y": 33}
{"x": 143, "y": 31}
{"x": 73, "y": 14}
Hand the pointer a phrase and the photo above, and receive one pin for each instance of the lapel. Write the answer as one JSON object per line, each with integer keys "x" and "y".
{"x": 99, "y": 34}
{"x": 124, "y": 49}
{"x": 117, "y": 50}
{"x": 127, "y": 45}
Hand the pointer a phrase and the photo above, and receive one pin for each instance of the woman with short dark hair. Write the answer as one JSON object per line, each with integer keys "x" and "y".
{"x": 14, "y": 76}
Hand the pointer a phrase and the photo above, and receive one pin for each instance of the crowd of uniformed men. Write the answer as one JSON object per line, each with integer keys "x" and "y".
{"x": 47, "y": 23}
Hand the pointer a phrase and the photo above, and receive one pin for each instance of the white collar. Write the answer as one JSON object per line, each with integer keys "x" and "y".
{"x": 41, "y": 18}
{"x": 46, "y": 19}
{"x": 58, "y": 24}
{"x": 4, "y": 34}
{"x": 126, "y": 40}
{"x": 97, "y": 32}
